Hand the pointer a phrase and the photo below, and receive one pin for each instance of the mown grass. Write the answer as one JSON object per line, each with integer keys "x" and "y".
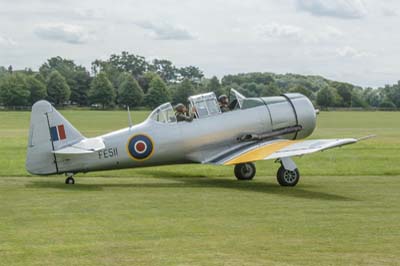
{"x": 345, "y": 210}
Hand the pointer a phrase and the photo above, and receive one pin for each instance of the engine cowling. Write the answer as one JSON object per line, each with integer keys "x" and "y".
{"x": 292, "y": 110}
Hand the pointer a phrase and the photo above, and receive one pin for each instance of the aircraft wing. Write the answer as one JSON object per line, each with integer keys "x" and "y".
{"x": 274, "y": 149}
{"x": 84, "y": 146}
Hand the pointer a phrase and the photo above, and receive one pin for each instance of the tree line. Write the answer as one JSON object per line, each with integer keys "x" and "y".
{"x": 130, "y": 80}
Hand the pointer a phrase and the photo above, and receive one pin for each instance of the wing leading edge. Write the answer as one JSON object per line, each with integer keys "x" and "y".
{"x": 278, "y": 148}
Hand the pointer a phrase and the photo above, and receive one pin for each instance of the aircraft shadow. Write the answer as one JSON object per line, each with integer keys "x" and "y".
{"x": 268, "y": 188}
{"x": 195, "y": 182}
{"x": 59, "y": 184}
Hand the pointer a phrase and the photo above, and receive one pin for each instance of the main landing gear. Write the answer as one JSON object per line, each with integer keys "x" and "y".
{"x": 70, "y": 179}
{"x": 245, "y": 171}
{"x": 287, "y": 176}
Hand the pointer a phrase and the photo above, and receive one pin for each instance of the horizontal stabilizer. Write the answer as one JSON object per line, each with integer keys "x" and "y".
{"x": 85, "y": 146}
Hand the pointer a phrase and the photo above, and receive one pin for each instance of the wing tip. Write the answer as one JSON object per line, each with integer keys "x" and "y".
{"x": 367, "y": 137}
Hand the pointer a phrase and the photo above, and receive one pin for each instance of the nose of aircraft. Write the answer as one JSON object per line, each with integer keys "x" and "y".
{"x": 305, "y": 112}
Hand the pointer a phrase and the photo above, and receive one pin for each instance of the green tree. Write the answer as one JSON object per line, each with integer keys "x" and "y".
{"x": 101, "y": 91}
{"x": 130, "y": 93}
{"x": 191, "y": 72}
{"x": 77, "y": 77}
{"x": 251, "y": 89}
{"x": 326, "y": 97}
{"x": 271, "y": 90}
{"x": 37, "y": 89}
{"x": 372, "y": 96}
{"x": 145, "y": 79}
{"x": 215, "y": 86}
{"x": 392, "y": 93}
{"x": 183, "y": 91}
{"x": 125, "y": 62}
{"x": 165, "y": 69}
{"x": 386, "y": 103}
{"x": 14, "y": 91}
{"x": 109, "y": 69}
{"x": 302, "y": 90}
{"x": 79, "y": 93}
{"x": 3, "y": 71}
{"x": 58, "y": 90}
{"x": 345, "y": 91}
{"x": 157, "y": 94}
{"x": 357, "y": 99}
{"x": 40, "y": 77}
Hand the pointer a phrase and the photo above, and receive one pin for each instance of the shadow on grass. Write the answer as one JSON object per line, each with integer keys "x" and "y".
{"x": 198, "y": 182}
{"x": 61, "y": 185}
{"x": 170, "y": 173}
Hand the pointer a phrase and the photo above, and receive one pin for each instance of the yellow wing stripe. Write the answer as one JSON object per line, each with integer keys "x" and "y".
{"x": 260, "y": 153}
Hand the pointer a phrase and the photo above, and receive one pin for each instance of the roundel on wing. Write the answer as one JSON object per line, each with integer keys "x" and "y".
{"x": 140, "y": 147}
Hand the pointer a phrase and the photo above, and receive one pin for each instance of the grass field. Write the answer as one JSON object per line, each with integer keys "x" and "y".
{"x": 345, "y": 210}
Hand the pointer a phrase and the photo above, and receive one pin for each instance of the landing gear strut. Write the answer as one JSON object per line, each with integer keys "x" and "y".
{"x": 245, "y": 171}
{"x": 70, "y": 180}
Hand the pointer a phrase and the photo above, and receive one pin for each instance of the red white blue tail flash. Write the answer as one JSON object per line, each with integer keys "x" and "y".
{"x": 57, "y": 133}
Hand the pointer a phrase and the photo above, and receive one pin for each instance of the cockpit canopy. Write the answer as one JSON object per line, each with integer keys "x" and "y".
{"x": 164, "y": 114}
{"x": 205, "y": 105}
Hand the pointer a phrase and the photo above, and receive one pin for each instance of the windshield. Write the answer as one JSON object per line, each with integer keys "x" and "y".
{"x": 164, "y": 114}
{"x": 205, "y": 104}
{"x": 236, "y": 99}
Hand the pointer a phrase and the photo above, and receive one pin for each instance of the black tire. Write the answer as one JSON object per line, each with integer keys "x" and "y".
{"x": 287, "y": 178}
{"x": 245, "y": 171}
{"x": 70, "y": 181}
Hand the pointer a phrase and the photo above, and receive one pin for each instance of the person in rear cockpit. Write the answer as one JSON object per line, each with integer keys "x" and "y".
{"x": 223, "y": 101}
{"x": 181, "y": 113}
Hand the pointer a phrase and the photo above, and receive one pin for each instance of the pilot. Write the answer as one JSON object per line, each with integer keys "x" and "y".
{"x": 181, "y": 113}
{"x": 224, "y": 103}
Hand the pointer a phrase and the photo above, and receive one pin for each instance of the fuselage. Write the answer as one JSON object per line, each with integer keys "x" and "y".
{"x": 161, "y": 143}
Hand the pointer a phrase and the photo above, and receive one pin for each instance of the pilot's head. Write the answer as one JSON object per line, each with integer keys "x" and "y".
{"x": 180, "y": 107}
{"x": 223, "y": 99}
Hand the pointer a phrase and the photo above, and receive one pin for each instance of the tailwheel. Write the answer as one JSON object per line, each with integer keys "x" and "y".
{"x": 70, "y": 180}
{"x": 245, "y": 171}
{"x": 287, "y": 178}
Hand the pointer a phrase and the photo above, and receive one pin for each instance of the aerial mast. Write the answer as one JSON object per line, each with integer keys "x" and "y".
{"x": 129, "y": 117}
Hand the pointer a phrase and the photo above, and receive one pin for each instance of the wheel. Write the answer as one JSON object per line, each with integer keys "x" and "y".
{"x": 70, "y": 181}
{"x": 245, "y": 171}
{"x": 287, "y": 178}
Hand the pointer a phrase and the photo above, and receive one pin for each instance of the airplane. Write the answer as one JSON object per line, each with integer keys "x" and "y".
{"x": 258, "y": 128}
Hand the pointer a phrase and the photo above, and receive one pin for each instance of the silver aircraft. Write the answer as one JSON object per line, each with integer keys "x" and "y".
{"x": 255, "y": 129}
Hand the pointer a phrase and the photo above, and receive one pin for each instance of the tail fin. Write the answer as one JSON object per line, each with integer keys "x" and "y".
{"x": 49, "y": 131}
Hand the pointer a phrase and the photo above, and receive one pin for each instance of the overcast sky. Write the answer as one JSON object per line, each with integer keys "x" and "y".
{"x": 349, "y": 40}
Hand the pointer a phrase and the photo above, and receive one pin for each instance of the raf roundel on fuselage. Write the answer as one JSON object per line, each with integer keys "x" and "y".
{"x": 140, "y": 147}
